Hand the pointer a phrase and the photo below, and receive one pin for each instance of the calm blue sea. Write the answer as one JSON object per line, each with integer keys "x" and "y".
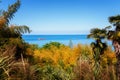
{"x": 64, "y": 39}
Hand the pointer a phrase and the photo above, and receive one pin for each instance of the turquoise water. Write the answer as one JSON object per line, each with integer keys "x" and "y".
{"x": 64, "y": 39}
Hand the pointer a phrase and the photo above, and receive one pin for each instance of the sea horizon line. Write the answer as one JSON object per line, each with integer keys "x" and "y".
{"x": 54, "y": 34}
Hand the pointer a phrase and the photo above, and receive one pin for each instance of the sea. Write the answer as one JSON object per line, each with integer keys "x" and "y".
{"x": 41, "y": 40}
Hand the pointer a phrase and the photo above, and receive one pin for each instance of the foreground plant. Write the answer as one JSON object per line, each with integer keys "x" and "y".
{"x": 98, "y": 48}
{"x": 11, "y": 35}
{"x": 114, "y": 36}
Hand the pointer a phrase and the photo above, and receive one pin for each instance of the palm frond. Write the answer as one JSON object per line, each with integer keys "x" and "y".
{"x": 9, "y": 14}
{"x": 97, "y": 33}
{"x": 114, "y": 19}
{"x": 19, "y": 29}
{"x": 108, "y": 27}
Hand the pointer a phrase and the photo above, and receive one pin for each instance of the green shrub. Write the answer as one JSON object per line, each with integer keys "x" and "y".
{"x": 56, "y": 44}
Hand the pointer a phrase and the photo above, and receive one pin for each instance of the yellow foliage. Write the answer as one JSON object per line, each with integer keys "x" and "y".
{"x": 67, "y": 55}
{"x": 2, "y": 22}
{"x": 29, "y": 51}
{"x": 108, "y": 57}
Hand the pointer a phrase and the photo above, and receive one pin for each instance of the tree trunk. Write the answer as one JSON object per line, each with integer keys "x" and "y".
{"x": 116, "y": 45}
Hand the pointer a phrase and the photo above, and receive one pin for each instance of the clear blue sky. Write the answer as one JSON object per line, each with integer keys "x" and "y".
{"x": 64, "y": 16}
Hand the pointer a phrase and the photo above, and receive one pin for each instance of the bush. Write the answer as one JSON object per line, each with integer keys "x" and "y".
{"x": 56, "y": 44}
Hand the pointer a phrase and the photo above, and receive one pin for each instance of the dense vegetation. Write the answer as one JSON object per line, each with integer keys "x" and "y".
{"x": 55, "y": 61}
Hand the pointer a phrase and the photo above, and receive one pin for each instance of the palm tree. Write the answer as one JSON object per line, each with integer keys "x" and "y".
{"x": 98, "y": 35}
{"x": 114, "y": 36}
{"x": 5, "y": 22}
{"x": 98, "y": 47}
{"x": 11, "y": 35}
